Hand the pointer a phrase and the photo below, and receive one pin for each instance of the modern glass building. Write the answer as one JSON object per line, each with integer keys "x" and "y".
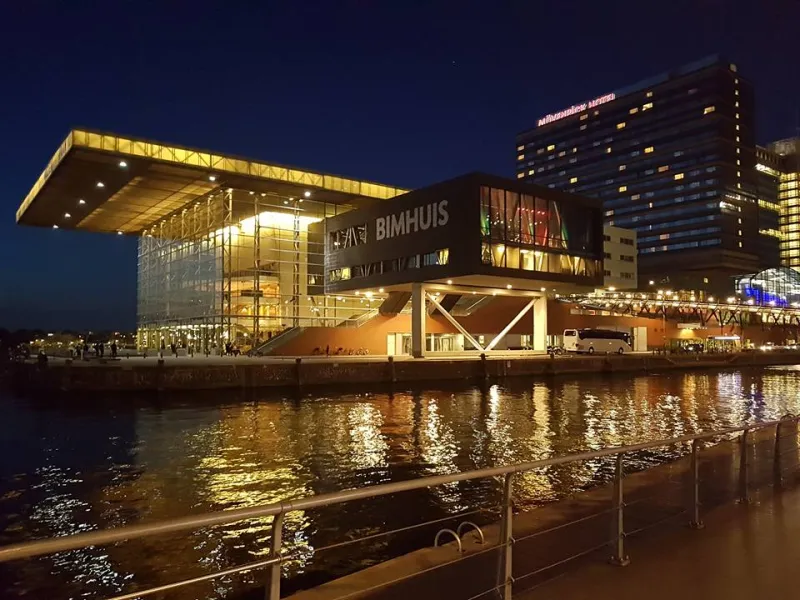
{"x": 673, "y": 157}
{"x": 786, "y": 172}
{"x": 777, "y": 287}
{"x": 224, "y": 243}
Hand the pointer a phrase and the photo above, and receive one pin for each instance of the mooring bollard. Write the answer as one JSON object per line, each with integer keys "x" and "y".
{"x": 485, "y": 366}
{"x": 298, "y": 363}
{"x": 392, "y": 376}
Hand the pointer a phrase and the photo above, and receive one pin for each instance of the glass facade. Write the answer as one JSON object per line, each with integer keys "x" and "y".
{"x": 523, "y": 231}
{"x": 238, "y": 266}
{"x": 789, "y": 198}
{"x": 772, "y": 287}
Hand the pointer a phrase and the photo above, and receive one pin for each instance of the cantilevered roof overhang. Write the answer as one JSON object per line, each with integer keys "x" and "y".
{"x": 110, "y": 183}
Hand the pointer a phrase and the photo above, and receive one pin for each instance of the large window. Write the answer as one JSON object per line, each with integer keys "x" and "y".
{"x": 521, "y": 231}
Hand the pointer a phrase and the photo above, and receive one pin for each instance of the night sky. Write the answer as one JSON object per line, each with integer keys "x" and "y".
{"x": 404, "y": 93}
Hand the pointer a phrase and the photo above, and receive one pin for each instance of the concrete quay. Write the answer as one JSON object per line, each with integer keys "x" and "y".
{"x": 200, "y": 372}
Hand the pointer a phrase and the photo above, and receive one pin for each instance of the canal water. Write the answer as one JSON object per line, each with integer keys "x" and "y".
{"x": 76, "y": 464}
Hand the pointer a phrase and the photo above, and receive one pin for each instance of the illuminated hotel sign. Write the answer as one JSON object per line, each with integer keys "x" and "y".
{"x": 567, "y": 112}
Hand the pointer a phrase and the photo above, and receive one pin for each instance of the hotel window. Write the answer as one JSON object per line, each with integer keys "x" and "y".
{"x": 736, "y": 104}
{"x": 520, "y": 157}
{"x": 607, "y": 273}
{"x": 551, "y": 147}
{"x": 626, "y": 258}
{"x": 678, "y": 176}
{"x": 622, "y": 167}
{"x": 608, "y": 150}
{"x": 573, "y": 180}
{"x": 709, "y": 109}
{"x": 520, "y": 175}
{"x": 583, "y": 127}
{"x": 437, "y": 257}
{"x": 737, "y": 127}
{"x": 649, "y": 94}
{"x": 574, "y": 150}
{"x": 624, "y": 275}
{"x": 635, "y": 197}
{"x": 607, "y": 255}
{"x": 738, "y": 139}
{"x": 648, "y": 150}
{"x": 623, "y": 188}
{"x": 584, "y": 117}
{"x": 738, "y": 173}
{"x": 663, "y": 168}
{"x": 634, "y": 110}
{"x": 647, "y": 106}
{"x": 519, "y": 148}
{"x": 621, "y": 125}
{"x": 737, "y": 115}
{"x": 736, "y": 92}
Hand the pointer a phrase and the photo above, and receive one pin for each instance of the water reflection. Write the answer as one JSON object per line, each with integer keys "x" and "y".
{"x": 79, "y": 466}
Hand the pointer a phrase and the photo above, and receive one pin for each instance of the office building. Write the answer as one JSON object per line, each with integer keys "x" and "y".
{"x": 785, "y": 168}
{"x": 673, "y": 157}
{"x": 619, "y": 258}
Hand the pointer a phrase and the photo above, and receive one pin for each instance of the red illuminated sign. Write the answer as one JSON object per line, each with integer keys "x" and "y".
{"x": 567, "y": 112}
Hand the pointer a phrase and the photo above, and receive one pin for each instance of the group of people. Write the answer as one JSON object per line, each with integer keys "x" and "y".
{"x": 81, "y": 351}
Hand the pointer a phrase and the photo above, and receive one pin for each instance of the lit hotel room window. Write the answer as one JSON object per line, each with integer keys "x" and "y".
{"x": 709, "y": 109}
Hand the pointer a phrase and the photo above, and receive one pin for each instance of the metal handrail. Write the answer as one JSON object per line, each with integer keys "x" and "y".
{"x": 98, "y": 538}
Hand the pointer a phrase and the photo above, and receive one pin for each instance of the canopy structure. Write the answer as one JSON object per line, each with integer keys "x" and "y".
{"x": 109, "y": 183}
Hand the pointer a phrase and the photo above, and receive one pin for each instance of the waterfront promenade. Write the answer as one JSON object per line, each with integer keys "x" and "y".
{"x": 199, "y": 372}
{"x": 744, "y": 552}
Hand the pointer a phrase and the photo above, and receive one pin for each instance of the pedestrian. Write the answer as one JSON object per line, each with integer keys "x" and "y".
{"x": 327, "y": 350}
{"x": 86, "y": 350}
{"x": 114, "y": 349}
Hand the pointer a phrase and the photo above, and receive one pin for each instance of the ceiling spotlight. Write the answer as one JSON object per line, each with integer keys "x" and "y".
{"x": 508, "y": 287}
{"x": 123, "y": 164}
{"x": 543, "y": 289}
{"x": 212, "y": 177}
{"x": 119, "y": 233}
{"x": 307, "y": 194}
{"x": 286, "y": 202}
{"x": 449, "y": 282}
{"x": 55, "y": 226}
{"x": 67, "y": 215}
{"x": 100, "y": 184}
{"x": 81, "y": 201}
{"x": 380, "y": 290}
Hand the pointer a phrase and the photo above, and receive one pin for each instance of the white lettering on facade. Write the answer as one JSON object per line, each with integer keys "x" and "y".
{"x": 419, "y": 218}
{"x": 572, "y": 110}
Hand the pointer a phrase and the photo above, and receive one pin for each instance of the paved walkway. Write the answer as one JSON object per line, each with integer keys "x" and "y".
{"x": 744, "y": 552}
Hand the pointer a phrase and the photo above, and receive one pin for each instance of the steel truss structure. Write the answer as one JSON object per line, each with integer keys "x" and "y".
{"x": 685, "y": 307}
{"x": 237, "y": 266}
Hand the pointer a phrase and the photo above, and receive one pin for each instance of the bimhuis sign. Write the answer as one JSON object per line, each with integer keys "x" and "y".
{"x": 412, "y": 220}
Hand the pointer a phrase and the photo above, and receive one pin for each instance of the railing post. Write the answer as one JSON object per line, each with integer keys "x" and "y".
{"x": 776, "y": 458}
{"x": 274, "y": 584}
{"x": 507, "y": 539}
{"x": 619, "y": 557}
{"x": 696, "y": 522}
{"x": 743, "y": 474}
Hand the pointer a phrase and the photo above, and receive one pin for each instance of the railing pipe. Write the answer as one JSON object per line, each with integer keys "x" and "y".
{"x": 273, "y": 589}
{"x": 696, "y": 522}
{"x": 97, "y": 538}
{"x": 619, "y": 557}
{"x": 507, "y": 538}
{"x": 744, "y": 476}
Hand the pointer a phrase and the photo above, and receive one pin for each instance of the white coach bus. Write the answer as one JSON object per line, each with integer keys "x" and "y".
{"x": 596, "y": 340}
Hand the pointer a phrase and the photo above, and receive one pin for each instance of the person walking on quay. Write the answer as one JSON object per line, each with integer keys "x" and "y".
{"x": 101, "y": 348}
{"x": 86, "y": 350}
{"x": 161, "y": 351}
{"x": 114, "y": 349}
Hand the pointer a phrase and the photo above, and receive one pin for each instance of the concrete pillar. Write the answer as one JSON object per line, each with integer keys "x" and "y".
{"x": 418, "y": 316}
{"x": 540, "y": 324}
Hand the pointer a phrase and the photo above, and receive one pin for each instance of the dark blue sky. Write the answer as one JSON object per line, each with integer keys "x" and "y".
{"x": 405, "y": 93}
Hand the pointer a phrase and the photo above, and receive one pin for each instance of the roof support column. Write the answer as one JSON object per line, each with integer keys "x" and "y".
{"x": 418, "y": 316}
{"x": 539, "y": 336}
